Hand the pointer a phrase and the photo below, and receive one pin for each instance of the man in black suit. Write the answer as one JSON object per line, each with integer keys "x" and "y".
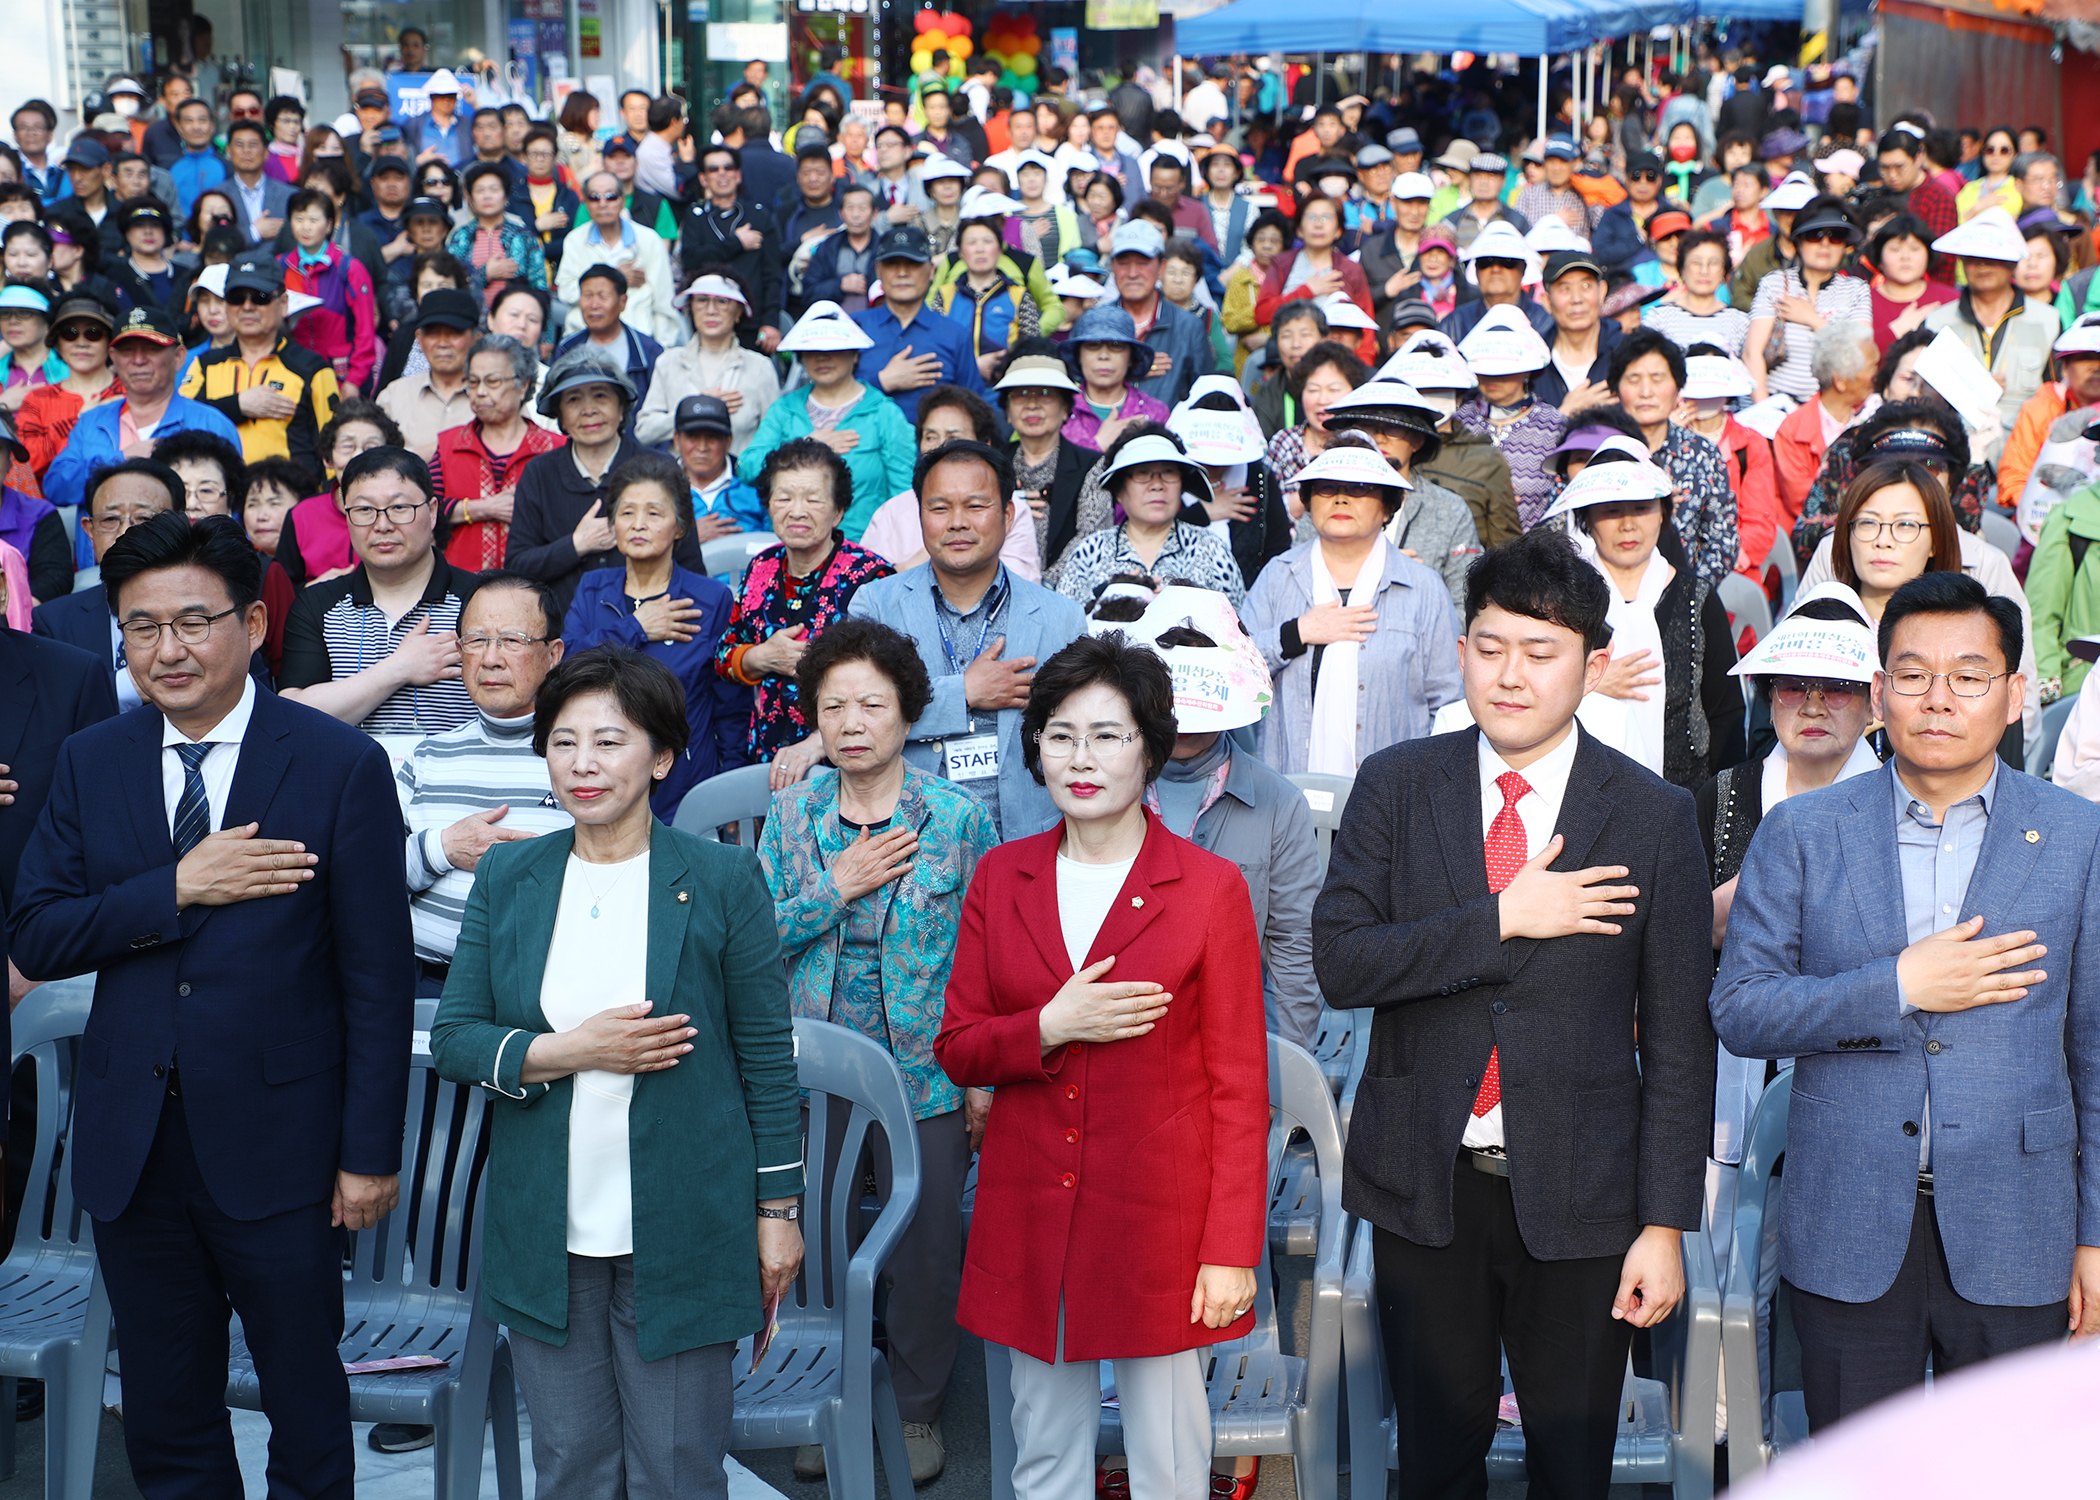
{"x": 228, "y": 865}
{"x": 1520, "y": 903}
{"x": 125, "y": 496}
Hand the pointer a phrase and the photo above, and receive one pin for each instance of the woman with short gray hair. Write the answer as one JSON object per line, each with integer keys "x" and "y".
{"x": 476, "y": 465}
{"x": 1843, "y": 359}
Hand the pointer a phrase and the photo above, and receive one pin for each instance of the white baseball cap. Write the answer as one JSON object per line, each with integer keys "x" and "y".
{"x": 1712, "y": 377}
{"x": 1794, "y": 190}
{"x": 1413, "y": 185}
{"x": 443, "y": 81}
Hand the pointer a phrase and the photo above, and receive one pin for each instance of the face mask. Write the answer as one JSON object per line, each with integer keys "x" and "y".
{"x": 1683, "y": 152}
{"x": 125, "y": 105}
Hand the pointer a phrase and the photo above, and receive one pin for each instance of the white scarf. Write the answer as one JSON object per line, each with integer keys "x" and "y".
{"x": 1633, "y": 629}
{"x": 1333, "y": 749}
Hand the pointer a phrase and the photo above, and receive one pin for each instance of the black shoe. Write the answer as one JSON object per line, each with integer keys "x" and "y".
{"x": 29, "y": 1400}
{"x": 400, "y": 1437}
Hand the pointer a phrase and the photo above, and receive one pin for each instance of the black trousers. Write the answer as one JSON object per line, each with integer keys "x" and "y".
{"x": 1447, "y": 1315}
{"x": 1854, "y": 1354}
{"x": 175, "y": 1266}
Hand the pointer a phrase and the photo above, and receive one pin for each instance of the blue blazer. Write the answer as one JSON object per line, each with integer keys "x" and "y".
{"x": 1036, "y": 622}
{"x": 82, "y": 621}
{"x": 717, "y": 710}
{"x": 290, "y": 1014}
{"x": 1809, "y": 972}
{"x": 48, "y": 690}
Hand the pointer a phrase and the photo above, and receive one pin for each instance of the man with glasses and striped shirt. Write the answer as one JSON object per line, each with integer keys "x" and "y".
{"x": 379, "y": 647}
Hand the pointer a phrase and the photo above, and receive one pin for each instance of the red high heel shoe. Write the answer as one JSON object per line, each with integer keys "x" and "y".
{"x": 1112, "y": 1484}
{"x": 1236, "y": 1486}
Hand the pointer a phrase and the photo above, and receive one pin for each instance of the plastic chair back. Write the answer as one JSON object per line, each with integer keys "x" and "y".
{"x": 823, "y": 1381}
{"x": 1747, "y": 606}
{"x": 54, "y": 1314}
{"x": 2054, "y": 717}
{"x": 1750, "y": 1445}
{"x": 2001, "y": 531}
{"x": 742, "y": 797}
{"x": 726, "y": 557}
{"x": 1782, "y": 562}
{"x": 1327, "y": 796}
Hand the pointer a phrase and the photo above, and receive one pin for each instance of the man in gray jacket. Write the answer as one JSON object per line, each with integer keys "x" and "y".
{"x": 1181, "y": 349}
{"x": 980, "y": 630}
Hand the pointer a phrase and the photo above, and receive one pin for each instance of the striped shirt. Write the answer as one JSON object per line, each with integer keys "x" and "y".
{"x": 483, "y": 764}
{"x": 335, "y": 631}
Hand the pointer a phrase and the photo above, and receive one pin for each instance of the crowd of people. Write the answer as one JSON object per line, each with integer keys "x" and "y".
{"x": 1035, "y": 486}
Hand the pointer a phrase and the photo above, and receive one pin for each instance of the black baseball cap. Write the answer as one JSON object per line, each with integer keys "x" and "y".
{"x": 426, "y": 208}
{"x": 255, "y": 271}
{"x": 371, "y": 99}
{"x": 904, "y": 242}
{"x": 387, "y": 163}
{"x": 154, "y": 324}
{"x": 1561, "y": 262}
{"x": 1644, "y": 161}
{"x": 703, "y": 414}
{"x": 448, "y": 307}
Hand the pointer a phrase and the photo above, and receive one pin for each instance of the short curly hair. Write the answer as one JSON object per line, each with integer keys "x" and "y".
{"x": 883, "y": 647}
{"x": 807, "y": 453}
{"x": 1107, "y": 660}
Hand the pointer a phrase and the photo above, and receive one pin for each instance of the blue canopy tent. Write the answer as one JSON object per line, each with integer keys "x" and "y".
{"x": 1530, "y": 27}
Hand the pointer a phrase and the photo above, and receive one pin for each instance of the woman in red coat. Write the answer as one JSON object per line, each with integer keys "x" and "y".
{"x": 1122, "y": 1189}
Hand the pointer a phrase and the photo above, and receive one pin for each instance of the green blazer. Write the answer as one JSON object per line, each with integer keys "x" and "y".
{"x": 708, "y": 1139}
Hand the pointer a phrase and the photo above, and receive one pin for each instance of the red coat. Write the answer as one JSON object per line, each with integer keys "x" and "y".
{"x": 1111, "y": 1171}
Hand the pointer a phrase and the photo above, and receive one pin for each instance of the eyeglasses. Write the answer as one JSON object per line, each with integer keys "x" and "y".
{"x": 1059, "y": 744}
{"x": 204, "y": 489}
{"x": 489, "y": 382}
{"x": 1905, "y": 530}
{"x": 248, "y": 298}
{"x": 122, "y": 521}
{"x": 191, "y": 630}
{"x": 368, "y": 515}
{"x": 1792, "y": 692}
{"x": 81, "y": 333}
{"x": 1968, "y": 682}
{"x": 509, "y": 643}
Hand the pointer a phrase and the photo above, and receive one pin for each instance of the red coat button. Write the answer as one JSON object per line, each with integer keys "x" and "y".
{"x": 1068, "y": 1179}
{"x": 1076, "y": 1048}
{"x": 1071, "y": 1137}
{"x": 1071, "y": 1091}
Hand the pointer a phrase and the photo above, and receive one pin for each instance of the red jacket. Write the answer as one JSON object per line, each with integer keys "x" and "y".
{"x": 1797, "y": 455}
{"x": 1748, "y": 459}
{"x": 1272, "y": 296}
{"x": 1111, "y": 1171}
{"x": 465, "y": 470}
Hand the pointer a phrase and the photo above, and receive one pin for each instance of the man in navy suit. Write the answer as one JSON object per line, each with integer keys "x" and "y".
{"x": 118, "y": 498}
{"x": 229, "y": 865}
{"x": 1915, "y": 940}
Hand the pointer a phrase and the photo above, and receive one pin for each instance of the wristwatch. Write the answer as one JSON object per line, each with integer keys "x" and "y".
{"x": 792, "y": 1211}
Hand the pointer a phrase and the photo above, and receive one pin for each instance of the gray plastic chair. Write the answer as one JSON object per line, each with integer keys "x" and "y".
{"x": 54, "y": 1314}
{"x": 2053, "y": 719}
{"x": 1781, "y": 561}
{"x": 1666, "y": 1426}
{"x": 823, "y": 1380}
{"x": 415, "y": 1288}
{"x": 1327, "y": 797}
{"x": 726, "y": 556}
{"x": 742, "y": 797}
{"x": 2001, "y": 531}
{"x": 1761, "y": 1423}
{"x": 1262, "y": 1401}
{"x": 1747, "y": 606}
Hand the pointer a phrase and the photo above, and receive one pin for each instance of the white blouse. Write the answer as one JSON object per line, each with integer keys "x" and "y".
{"x": 599, "y": 958}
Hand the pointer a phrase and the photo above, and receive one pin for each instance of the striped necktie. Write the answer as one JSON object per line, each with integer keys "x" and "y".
{"x": 193, "y": 808}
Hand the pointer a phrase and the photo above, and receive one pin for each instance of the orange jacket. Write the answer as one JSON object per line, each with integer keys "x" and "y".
{"x": 2024, "y": 443}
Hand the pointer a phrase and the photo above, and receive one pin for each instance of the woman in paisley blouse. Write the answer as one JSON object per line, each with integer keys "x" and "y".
{"x": 791, "y": 594}
{"x": 868, "y": 870}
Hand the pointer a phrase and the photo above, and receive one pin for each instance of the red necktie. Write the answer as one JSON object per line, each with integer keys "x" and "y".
{"x": 1505, "y": 856}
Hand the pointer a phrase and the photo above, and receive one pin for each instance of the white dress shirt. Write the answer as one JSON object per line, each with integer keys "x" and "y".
{"x": 219, "y": 765}
{"x": 1539, "y": 810}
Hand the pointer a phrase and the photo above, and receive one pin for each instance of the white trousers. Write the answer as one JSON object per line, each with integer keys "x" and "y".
{"x": 1057, "y": 1416}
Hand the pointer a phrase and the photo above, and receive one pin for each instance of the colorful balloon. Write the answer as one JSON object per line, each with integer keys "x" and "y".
{"x": 921, "y": 60}
{"x": 926, "y": 20}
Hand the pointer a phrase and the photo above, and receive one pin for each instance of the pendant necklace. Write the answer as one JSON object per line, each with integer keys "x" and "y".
{"x": 598, "y": 896}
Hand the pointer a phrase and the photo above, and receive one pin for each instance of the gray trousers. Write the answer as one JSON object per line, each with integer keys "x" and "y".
{"x": 1057, "y": 1419}
{"x": 922, "y": 1280}
{"x": 607, "y": 1423}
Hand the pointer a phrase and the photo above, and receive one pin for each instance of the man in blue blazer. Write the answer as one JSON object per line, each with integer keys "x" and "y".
{"x": 244, "y": 1070}
{"x": 48, "y": 690}
{"x": 981, "y": 632}
{"x": 124, "y": 495}
{"x": 1914, "y": 940}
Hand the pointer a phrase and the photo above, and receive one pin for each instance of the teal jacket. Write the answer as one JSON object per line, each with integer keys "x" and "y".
{"x": 881, "y": 462}
{"x": 709, "y": 1138}
{"x": 920, "y": 913}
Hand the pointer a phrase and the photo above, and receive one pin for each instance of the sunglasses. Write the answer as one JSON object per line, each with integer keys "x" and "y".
{"x": 247, "y": 298}
{"x": 601, "y": 197}
{"x": 1997, "y": 151}
{"x": 1644, "y": 176}
{"x": 84, "y": 333}
{"x": 1825, "y": 237}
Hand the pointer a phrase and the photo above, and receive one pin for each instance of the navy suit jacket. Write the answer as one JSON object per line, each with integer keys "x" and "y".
{"x": 1809, "y": 972}
{"x": 290, "y": 1015}
{"x": 48, "y": 690}
{"x": 81, "y": 620}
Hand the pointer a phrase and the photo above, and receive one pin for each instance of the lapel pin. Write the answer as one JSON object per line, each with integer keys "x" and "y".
{"x": 2034, "y": 836}
{"x": 1137, "y": 900}
{"x": 683, "y": 898}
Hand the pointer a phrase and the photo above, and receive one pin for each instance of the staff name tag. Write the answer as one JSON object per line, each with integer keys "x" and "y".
{"x": 972, "y": 757}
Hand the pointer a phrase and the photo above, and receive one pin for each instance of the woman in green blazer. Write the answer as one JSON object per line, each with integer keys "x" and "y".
{"x": 619, "y": 988}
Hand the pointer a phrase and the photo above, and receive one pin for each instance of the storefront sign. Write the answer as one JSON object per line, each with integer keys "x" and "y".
{"x": 747, "y": 41}
{"x": 587, "y": 29}
{"x": 1122, "y": 15}
{"x": 1064, "y": 47}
